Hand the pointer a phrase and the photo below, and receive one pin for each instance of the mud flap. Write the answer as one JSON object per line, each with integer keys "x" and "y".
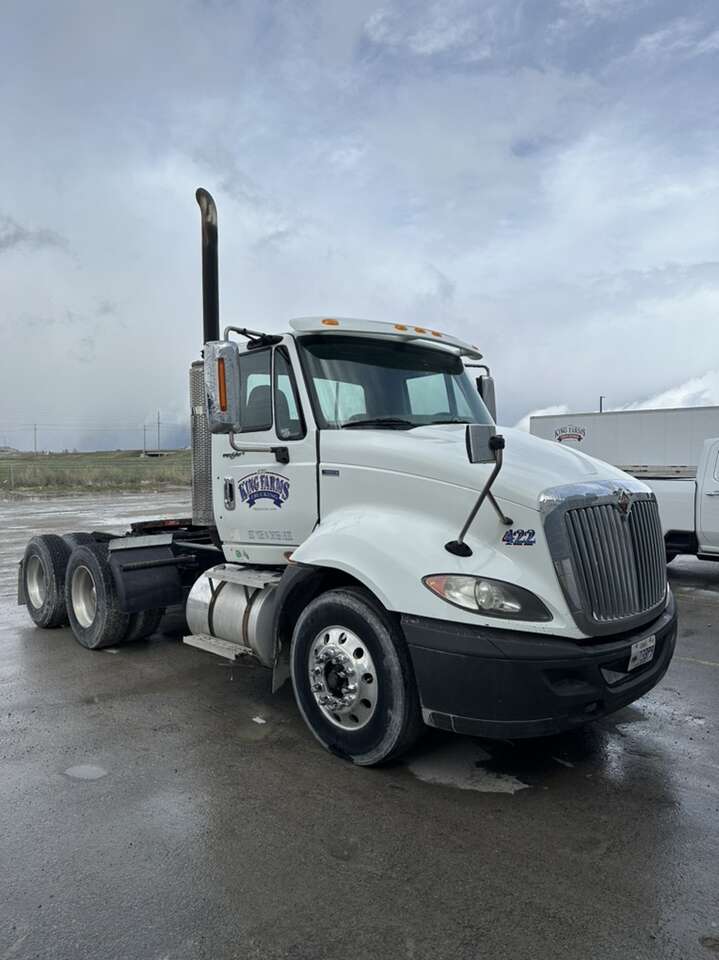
{"x": 281, "y": 669}
{"x": 21, "y": 595}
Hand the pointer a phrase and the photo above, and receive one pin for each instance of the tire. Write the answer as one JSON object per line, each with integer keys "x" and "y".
{"x": 671, "y": 556}
{"x": 95, "y": 617}
{"x": 143, "y": 624}
{"x": 43, "y": 571}
{"x": 77, "y": 539}
{"x": 379, "y": 720}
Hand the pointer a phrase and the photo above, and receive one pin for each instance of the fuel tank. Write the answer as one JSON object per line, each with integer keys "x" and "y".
{"x": 241, "y": 613}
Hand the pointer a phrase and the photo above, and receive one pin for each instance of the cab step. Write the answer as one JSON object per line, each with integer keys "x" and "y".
{"x": 257, "y": 577}
{"x": 222, "y": 648}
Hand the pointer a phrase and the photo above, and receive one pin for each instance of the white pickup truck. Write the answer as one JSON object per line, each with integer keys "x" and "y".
{"x": 689, "y": 507}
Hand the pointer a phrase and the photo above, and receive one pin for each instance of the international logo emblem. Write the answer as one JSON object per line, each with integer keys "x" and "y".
{"x": 624, "y": 503}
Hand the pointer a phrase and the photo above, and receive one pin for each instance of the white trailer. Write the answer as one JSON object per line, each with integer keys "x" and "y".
{"x": 359, "y": 526}
{"x": 666, "y": 442}
{"x": 674, "y": 451}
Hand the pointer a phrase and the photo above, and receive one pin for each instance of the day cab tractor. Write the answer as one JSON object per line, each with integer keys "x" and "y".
{"x": 359, "y": 526}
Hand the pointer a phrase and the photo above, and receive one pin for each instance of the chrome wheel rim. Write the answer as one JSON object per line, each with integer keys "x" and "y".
{"x": 35, "y": 582}
{"x": 84, "y": 596}
{"x": 343, "y": 678}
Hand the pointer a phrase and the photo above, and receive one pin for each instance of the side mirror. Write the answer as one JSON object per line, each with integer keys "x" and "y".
{"x": 485, "y": 386}
{"x": 480, "y": 442}
{"x": 222, "y": 386}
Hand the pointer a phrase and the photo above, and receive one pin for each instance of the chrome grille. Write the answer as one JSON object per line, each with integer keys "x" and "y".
{"x": 618, "y": 559}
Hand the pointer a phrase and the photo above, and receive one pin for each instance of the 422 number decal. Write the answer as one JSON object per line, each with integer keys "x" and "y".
{"x": 519, "y": 538}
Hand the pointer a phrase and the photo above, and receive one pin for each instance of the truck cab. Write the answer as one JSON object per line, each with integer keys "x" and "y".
{"x": 360, "y": 526}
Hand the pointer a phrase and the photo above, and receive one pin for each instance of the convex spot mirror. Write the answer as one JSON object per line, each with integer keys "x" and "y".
{"x": 222, "y": 386}
{"x": 485, "y": 386}
{"x": 480, "y": 442}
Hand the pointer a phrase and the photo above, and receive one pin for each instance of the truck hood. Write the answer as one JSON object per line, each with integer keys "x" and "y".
{"x": 438, "y": 452}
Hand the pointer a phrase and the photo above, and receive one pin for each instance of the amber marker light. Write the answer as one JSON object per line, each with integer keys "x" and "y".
{"x": 419, "y": 330}
{"x": 400, "y": 326}
{"x": 222, "y": 384}
{"x": 331, "y": 323}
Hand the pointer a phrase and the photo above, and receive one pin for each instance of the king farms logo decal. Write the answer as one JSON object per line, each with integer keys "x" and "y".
{"x": 263, "y": 486}
{"x": 571, "y": 432}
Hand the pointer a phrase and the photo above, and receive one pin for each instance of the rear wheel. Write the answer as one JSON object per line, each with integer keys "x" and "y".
{"x": 353, "y": 678}
{"x": 43, "y": 572}
{"x": 91, "y": 599}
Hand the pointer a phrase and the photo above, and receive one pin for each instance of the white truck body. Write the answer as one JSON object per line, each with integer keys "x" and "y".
{"x": 689, "y": 508}
{"x": 643, "y": 442}
{"x": 359, "y": 525}
{"x": 673, "y": 451}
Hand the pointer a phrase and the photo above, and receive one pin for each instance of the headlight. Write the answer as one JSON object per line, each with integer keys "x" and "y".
{"x": 482, "y": 595}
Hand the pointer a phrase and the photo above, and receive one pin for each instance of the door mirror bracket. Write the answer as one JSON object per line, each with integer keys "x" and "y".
{"x": 483, "y": 446}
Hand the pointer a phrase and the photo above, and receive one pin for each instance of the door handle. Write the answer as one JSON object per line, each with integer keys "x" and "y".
{"x": 229, "y": 493}
{"x": 712, "y": 493}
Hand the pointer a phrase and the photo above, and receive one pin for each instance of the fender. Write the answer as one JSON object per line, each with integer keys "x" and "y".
{"x": 380, "y": 549}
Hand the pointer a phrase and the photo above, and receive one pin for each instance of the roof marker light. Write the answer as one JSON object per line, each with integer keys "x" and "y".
{"x": 400, "y": 326}
{"x": 436, "y": 333}
{"x": 331, "y": 323}
{"x": 419, "y": 330}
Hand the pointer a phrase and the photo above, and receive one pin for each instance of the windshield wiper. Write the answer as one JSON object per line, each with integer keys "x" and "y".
{"x": 382, "y": 423}
{"x": 431, "y": 423}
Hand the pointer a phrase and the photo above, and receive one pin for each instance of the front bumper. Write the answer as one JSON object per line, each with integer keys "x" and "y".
{"x": 501, "y": 683}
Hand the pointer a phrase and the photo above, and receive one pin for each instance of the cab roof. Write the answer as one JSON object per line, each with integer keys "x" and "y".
{"x": 379, "y": 328}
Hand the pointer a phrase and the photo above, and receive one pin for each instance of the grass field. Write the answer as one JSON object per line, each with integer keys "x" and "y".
{"x": 102, "y": 470}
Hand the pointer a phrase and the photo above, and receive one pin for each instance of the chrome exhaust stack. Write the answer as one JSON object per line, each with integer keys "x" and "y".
{"x": 210, "y": 282}
{"x": 201, "y": 438}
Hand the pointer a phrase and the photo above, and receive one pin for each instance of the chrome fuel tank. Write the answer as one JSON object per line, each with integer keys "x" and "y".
{"x": 238, "y": 612}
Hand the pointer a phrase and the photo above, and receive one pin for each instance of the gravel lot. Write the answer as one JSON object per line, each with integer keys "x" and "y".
{"x": 158, "y": 803}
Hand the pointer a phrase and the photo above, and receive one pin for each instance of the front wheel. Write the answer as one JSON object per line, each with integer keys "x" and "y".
{"x": 353, "y": 678}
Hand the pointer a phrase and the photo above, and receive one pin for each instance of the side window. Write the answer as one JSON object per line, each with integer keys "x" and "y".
{"x": 428, "y": 394}
{"x": 256, "y": 398}
{"x": 289, "y": 424}
{"x": 340, "y": 400}
{"x": 461, "y": 403}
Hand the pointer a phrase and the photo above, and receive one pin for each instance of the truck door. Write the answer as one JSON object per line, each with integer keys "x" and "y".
{"x": 708, "y": 498}
{"x": 263, "y": 506}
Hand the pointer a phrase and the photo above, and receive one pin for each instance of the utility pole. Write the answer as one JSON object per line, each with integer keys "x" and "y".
{"x": 144, "y": 439}
{"x": 602, "y": 398}
{"x": 158, "y": 429}
{"x": 34, "y": 436}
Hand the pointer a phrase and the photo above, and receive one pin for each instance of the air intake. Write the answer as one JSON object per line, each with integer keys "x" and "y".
{"x": 202, "y": 513}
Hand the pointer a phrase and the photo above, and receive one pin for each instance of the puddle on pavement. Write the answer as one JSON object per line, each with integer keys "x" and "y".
{"x": 461, "y": 763}
{"x": 85, "y": 771}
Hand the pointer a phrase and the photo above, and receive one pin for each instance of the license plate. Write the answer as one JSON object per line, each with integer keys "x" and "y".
{"x": 642, "y": 652}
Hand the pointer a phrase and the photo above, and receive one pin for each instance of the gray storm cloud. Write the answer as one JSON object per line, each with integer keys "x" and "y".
{"x": 539, "y": 178}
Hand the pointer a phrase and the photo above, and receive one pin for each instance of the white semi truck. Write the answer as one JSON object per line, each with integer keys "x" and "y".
{"x": 674, "y": 451}
{"x": 359, "y": 525}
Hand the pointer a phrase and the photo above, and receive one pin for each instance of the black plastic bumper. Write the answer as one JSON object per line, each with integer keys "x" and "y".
{"x": 502, "y": 683}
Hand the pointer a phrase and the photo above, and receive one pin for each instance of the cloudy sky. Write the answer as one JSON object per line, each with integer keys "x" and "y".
{"x": 539, "y": 177}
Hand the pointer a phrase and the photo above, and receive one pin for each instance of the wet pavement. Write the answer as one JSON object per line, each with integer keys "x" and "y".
{"x": 158, "y": 803}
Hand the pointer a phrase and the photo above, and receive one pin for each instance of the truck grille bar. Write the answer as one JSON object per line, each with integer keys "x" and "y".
{"x": 618, "y": 561}
{"x": 608, "y": 550}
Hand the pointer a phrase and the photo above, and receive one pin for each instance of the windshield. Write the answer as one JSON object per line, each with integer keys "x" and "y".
{"x": 389, "y": 384}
